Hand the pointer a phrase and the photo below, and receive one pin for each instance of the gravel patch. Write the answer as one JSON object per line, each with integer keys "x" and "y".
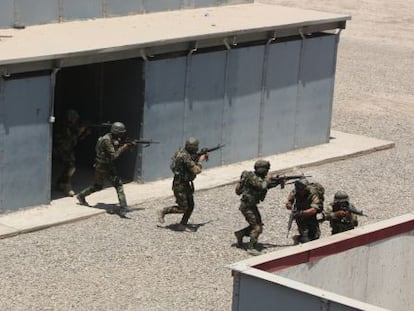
{"x": 108, "y": 263}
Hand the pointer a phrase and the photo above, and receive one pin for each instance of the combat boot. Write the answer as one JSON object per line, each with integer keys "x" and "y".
{"x": 181, "y": 227}
{"x": 82, "y": 200}
{"x": 122, "y": 211}
{"x": 253, "y": 252}
{"x": 251, "y": 247}
{"x": 161, "y": 215}
{"x": 239, "y": 236}
{"x": 67, "y": 190}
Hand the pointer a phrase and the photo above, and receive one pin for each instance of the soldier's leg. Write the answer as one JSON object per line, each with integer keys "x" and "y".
{"x": 68, "y": 185}
{"x": 174, "y": 209}
{"x": 189, "y": 209}
{"x": 244, "y": 209}
{"x": 314, "y": 231}
{"x": 257, "y": 228}
{"x": 116, "y": 182}
{"x": 98, "y": 183}
{"x": 303, "y": 227}
{"x": 64, "y": 182}
{"x": 180, "y": 199}
{"x": 255, "y": 225}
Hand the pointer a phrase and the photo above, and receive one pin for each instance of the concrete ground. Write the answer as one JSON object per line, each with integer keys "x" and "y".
{"x": 66, "y": 210}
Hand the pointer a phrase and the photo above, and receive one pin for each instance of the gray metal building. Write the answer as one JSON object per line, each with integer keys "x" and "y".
{"x": 258, "y": 78}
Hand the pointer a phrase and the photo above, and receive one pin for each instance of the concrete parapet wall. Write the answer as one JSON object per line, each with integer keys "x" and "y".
{"x": 364, "y": 269}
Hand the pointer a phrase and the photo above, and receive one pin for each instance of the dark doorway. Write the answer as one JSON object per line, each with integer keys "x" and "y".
{"x": 101, "y": 93}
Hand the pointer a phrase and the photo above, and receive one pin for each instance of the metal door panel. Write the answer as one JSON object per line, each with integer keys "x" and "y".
{"x": 26, "y": 159}
{"x": 204, "y": 3}
{"x": 316, "y": 91}
{"x": 29, "y": 12}
{"x": 124, "y": 7}
{"x": 280, "y": 95}
{"x": 122, "y": 100}
{"x": 204, "y": 106}
{"x": 161, "y": 5}
{"x": 241, "y": 129}
{"x": 6, "y": 14}
{"x": 79, "y": 9}
{"x": 163, "y": 116}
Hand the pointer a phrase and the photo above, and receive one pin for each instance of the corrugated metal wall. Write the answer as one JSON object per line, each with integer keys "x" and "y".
{"x": 25, "y": 152}
{"x": 258, "y": 100}
{"x": 30, "y": 12}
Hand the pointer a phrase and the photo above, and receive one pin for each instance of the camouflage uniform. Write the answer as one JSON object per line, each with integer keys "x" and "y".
{"x": 253, "y": 191}
{"x": 186, "y": 167}
{"x": 308, "y": 225}
{"x": 107, "y": 149}
{"x": 344, "y": 221}
{"x": 65, "y": 140}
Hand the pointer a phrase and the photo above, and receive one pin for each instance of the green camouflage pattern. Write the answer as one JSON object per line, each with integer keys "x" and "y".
{"x": 308, "y": 227}
{"x": 108, "y": 149}
{"x": 185, "y": 170}
{"x": 254, "y": 190}
{"x": 340, "y": 224}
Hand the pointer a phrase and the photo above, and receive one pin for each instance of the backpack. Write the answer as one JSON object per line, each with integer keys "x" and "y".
{"x": 174, "y": 166}
{"x": 319, "y": 189}
{"x": 241, "y": 183}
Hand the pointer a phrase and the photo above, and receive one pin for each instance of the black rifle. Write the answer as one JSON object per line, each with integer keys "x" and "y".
{"x": 207, "y": 150}
{"x": 351, "y": 209}
{"x": 135, "y": 142}
{"x": 277, "y": 180}
{"x": 293, "y": 214}
{"x": 88, "y": 127}
{"x": 97, "y": 125}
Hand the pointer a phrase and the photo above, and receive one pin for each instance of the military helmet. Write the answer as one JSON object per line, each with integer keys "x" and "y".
{"x": 261, "y": 164}
{"x": 341, "y": 196}
{"x": 192, "y": 144}
{"x": 118, "y": 128}
{"x": 72, "y": 116}
{"x": 301, "y": 183}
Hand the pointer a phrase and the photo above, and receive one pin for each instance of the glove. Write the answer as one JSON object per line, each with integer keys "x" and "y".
{"x": 340, "y": 214}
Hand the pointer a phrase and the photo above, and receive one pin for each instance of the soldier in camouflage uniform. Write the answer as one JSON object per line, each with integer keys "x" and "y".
{"x": 67, "y": 133}
{"x": 339, "y": 219}
{"x": 186, "y": 165}
{"x": 308, "y": 205}
{"x": 253, "y": 189}
{"x": 108, "y": 149}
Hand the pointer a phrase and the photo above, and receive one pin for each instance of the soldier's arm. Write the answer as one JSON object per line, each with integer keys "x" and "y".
{"x": 109, "y": 149}
{"x": 193, "y": 167}
{"x": 290, "y": 200}
{"x": 315, "y": 206}
{"x": 258, "y": 183}
{"x": 328, "y": 214}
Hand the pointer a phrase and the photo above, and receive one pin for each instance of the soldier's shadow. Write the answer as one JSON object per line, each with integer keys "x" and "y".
{"x": 112, "y": 209}
{"x": 260, "y": 246}
{"x": 188, "y": 227}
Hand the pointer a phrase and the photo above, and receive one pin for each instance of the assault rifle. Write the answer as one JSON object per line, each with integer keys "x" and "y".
{"x": 293, "y": 214}
{"x": 351, "y": 209}
{"x": 87, "y": 128}
{"x": 206, "y": 150}
{"x": 135, "y": 142}
{"x": 274, "y": 181}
